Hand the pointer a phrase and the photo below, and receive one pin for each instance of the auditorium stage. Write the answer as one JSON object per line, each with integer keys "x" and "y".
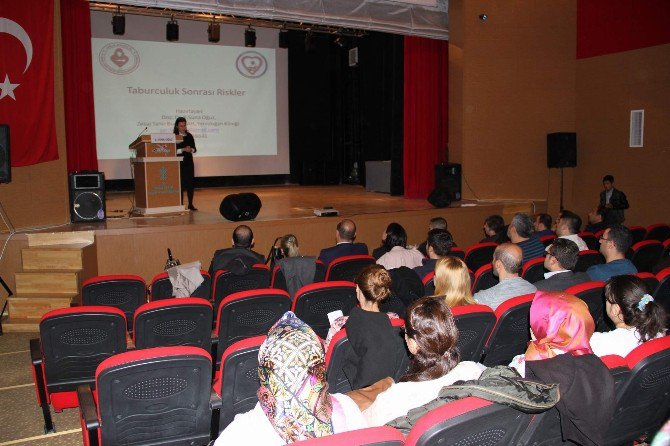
{"x": 137, "y": 245}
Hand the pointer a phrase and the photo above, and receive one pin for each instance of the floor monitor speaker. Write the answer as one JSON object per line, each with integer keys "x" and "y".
{"x": 87, "y": 196}
{"x": 448, "y": 175}
{"x": 238, "y": 207}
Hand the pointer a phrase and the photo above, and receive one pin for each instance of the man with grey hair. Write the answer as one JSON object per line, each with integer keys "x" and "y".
{"x": 520, "y": 233}
{"x": 506, "y": 265}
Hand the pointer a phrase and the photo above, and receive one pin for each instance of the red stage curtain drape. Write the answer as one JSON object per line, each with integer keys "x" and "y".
{"x": 78, "y": 85}
{"x": 425, "y": 113}
{"x": 27, "y": 80}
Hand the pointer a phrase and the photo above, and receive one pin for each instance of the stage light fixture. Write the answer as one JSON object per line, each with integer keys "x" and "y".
{"x": 283, "y": 38}
{"x": 214, "y": 32}
{"x": 118, "y": 23}
{"x": 250, "y": 37}
{"x": 340, "y": 41}
{"x": 172, "y": 30}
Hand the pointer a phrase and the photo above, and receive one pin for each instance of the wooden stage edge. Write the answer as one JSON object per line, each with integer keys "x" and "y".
{"x": 138, "y": 245}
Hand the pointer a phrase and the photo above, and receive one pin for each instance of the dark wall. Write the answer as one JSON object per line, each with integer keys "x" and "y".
{"x": 341, "y": 115}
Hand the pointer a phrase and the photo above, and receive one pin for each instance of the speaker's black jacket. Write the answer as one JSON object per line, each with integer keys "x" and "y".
{"x": 186, "y": 167}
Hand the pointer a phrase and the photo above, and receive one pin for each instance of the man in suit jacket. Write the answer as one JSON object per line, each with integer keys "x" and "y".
{"x": 243, "y": 241}
{"x": 613, "y": 200}
{"x": 561, "y": 258}
{"x": 345, "y": 235}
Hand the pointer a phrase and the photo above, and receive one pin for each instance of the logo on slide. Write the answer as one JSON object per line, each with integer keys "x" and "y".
{"x": 119, "y": 58}
{"x": 251, "y": 64}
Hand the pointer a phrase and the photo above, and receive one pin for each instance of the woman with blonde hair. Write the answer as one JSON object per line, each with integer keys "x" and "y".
{"x": 298, "y": 270}
{"x": 452, "y": 281}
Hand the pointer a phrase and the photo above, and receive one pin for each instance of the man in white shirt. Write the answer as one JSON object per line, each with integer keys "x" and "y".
{"x": 561, "y": 258}
{"x": 568, "y": 225}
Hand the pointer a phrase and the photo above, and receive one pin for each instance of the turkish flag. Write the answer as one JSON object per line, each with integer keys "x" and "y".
{"x": 27, "y": 79}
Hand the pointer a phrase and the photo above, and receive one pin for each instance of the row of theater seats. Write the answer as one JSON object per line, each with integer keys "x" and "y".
{"x": 165, "y": 394}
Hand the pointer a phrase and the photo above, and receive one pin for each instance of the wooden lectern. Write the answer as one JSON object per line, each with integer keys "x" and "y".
{"x": 157, "y": 176}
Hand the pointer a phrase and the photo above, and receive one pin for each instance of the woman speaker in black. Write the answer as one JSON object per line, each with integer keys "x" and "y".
{"x": 186, "y": 149}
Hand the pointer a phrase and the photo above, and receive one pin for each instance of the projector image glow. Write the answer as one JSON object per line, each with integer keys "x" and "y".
{"x": 328, "y": 212}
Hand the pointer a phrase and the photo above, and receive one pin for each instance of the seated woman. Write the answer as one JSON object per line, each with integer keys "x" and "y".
{"x": 298, "y": 270}
{"x": 559, "y": 352}
{"x": 635, "y": 314}
{"x": 452, "y": 282}
{"x": 293, "y": 399}
{"x": 395, "y": 240}
{"x": 431, "y": 336}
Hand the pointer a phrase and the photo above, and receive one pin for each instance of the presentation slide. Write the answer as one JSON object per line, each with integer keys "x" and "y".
{"x": 233, "y": 98}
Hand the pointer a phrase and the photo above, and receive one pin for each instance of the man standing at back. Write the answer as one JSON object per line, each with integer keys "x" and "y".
{"x": 613, "y": 200}
{"x": 345, "y": 235}
{"x": 243, "y": 241}
{"x": 519, "y": 232}
{"x": 614, "y": 244}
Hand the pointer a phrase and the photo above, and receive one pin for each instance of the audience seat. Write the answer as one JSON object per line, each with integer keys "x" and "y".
{"x": 339, "y": 349}
{"x": 547, "y": 240}
{"x": 377, "y": 436}
{"x": 279, "y": 280}
{"x": 469, "y": 421}
{"x": 533, "y": 270}
{"x": 662, "y": 293}
{"x": 587, "y": 259}
{"x": 666, "y": 248}
{"x": 154, "y": 396}
{"x": 170, "y": 322}
{"x": 479, "y": 255}
{"x": 658, "y": 231}
{"x": 599, "y": 234}
{"x": 125, "y": 292}
{"x": 650, "y": 280}
{"x": 313, "y": 302}
{"x": 484, "y": 279}
{"x": 642, "y": 400}
{"x": 646, "y": 254}
{"x": 161, "y": 287}
{"x": 72, "y": 342}
{"x": 593, "y": 293}
{"x": 474, "y": 323}
{"x": 429, "y": 283}
{"x": 226, "y": 283}
{"x": 638, "y": 233}
{"x": 247, "y": 314}
{"x": 590, "y": 239}
{"x": 511, "y": 333}
{"x": 236, "y": 380}
{"x": 347, "y": 267}
{"x": 457, "y": 252}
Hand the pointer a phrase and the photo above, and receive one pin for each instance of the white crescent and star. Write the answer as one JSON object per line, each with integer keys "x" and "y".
{"x": 14, "y": 29}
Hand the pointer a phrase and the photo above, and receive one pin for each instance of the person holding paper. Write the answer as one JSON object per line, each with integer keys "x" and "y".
{"x": 186, "y": 149}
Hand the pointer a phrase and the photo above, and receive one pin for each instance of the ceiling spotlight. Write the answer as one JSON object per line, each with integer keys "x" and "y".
{"x": 283, "y": 38}
{"x": 118, "y": 23}
{"x": 214, "y": 32}
{"x": 172, "y": 30}
{"x": 250, "y": 37}
{"x": 483, "y": 17}
{"x": 340, "y": 41}
{"x": 310, "y": 42}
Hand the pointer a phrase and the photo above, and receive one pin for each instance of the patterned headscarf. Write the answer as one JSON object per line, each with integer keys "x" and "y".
{"x": 294, "y": 392}
{"x": 559, "y": 321}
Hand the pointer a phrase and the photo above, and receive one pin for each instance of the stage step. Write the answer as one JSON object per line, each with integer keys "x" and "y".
{"x": 61, "y": 238}
{"x": 35, "y": 305}
{"x": 12, "y": 325}
{"x": 46, "y": 282}
{"x": 55, "y": 257}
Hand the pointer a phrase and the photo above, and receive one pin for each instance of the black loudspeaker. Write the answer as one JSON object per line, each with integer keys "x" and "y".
{"x": 119, "y": 25}
{"x": 448, "y": 175}
{"x": 5, "y": 161}
{"x": 87, "y": 196}
{"x": 440, "y": 197}
{"x": 238, "y": 207}
{"x": 561, "y": 149}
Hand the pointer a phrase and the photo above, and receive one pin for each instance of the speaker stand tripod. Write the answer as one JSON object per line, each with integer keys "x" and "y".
{"x": 561, "y": 203}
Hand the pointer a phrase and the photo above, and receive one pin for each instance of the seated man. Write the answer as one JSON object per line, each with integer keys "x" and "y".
{"x": 506, "y": 265}
{"x": 243, "y": 241}
{"x": 596, "y": 220}
{"x": 345, "y": 235}
{"x": 439, "y": 245}
{"x": 567, "y": 227}
{"x": 520, "y": 232}
{"x": 561, "y": 258}
{"x": 494, "y": 230}
{"x": 435, "y": 223}
{"x": 542, "y": 225}
{"x": 614, "y": 244}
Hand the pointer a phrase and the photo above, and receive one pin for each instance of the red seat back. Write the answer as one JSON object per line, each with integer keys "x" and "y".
{"x": 511, "y": 333}
{"x": 347, "y": 267}
{"x": 593, "y": 294}
{"x": 377, "y": 436}
{"x": 658, "y": 231}
{"x": 161, "y": 287}
{"x": 474, "y": 323}
{"x": 125, "y": 292}
{"x": 533, "y": 270}
{"x": 479, "y": 255}
{"x": 313, "y": 303}
{"x": 484, "y": 278}
{"x": 646, "y": 254}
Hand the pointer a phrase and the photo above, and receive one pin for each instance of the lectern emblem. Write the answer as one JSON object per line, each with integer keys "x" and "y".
{"x": 162, "y": 173}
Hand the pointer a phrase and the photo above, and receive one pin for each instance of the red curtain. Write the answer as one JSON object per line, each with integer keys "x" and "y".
{"x": 78, "y": 85}
{"x": 27, "y": 80}
{"x": 425, "y": 113}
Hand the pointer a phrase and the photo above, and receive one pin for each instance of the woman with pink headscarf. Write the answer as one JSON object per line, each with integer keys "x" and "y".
{"x": 559, "y": 352}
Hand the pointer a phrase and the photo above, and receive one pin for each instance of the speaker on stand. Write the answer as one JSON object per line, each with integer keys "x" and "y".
{"x": 447, "y": 185}
{"x": 561, "y": 152}
{"x": 87, "y": 196}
